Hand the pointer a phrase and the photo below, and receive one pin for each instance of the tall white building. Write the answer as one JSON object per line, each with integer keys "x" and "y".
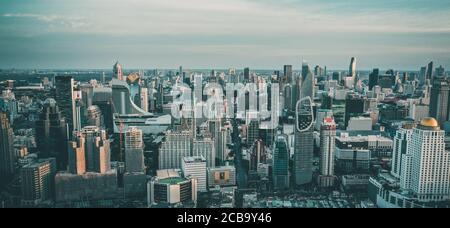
{"x": 176, "y": 146}
{"x": 401, "y": 139}
{"x": 144, "y": 99}
{"x": 205, "y": 147}
{"x": 195, "y": 167}
{"x": 134, "y": 151}
{"x": 327, "y": 149}
{"x": 430, "y": 179}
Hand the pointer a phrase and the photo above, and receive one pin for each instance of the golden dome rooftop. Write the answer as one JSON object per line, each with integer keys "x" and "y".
{"x": 429, "y": 124}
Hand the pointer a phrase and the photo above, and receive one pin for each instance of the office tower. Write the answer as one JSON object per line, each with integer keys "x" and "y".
{"x": 401, "y": 139}
{"x": 37, "y": 181}
{"x": 258, "y": 154}
{"x": 103, "y": 78}
{"x": 214, "y": 126}
{"x": 7, "y": 156}
{"x": 144, "y": 99}
{"x": 306, "y": 85}
{"x": 117, "y": 70}
{"x": 195, "y": 167}
{"x": 253, "y": 131}
{"x": 94, "y": 116}
{"x": 439, "y": 102}
{"x": 422, "y": 75}
{"x": 169, "y": 188}
{"x": 287, "y": 69}
{"x": 64, "y": 98}
{"x": 77, "y": 110}
{"x": 176, "y": 146}
{"x": 429, "y": 72}
{"x": 327, "y": 149}
{"x": 134, "y": 151}
{"x": 352, "y": 68}
{"x": 354, "y": 107}
{"x": 222, "y": 148}
{"x": 440, "y": 73}
{"x": 288, "y": 99}
{"x": 205, "y": 147}
{"x": 322, "y": 114}
{"x": 280, "y": 170}
{"x": 336, "y": 76}
{"x": 52, "y": 134}
{"x": 303, "y": 142}
{"x": 430, "y": 162}
{"x": 373, "y": 78}
{"x": 247, "y": 75}
{"x": 89, "y": 151}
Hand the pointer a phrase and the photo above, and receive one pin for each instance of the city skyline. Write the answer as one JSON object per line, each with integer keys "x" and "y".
{"x": 214, "y": 34}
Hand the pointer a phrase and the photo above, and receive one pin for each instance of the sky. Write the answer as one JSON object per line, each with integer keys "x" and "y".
{"x": 221, "y": 34}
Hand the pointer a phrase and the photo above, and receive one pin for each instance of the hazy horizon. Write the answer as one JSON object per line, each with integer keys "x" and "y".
{"x": 214, "y": 34}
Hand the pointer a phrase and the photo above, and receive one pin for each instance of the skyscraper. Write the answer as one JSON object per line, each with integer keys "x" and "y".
{"x": 287, "y": 74}
{"x": 307, "y": 84}
{"x": 52, "y": 134}
{"x": 354, "y": 107}
{"x": 429, "y": 72}
{"x": 280, "y": 169}
{"x": 176, "y": 146}
{"x": 327, "y": 150}
{"x": 134, "y": 151}
{"x": 352, "y": 68}
{"x": 94, "y": 116}
{"x": 247, "y": 75}
{"x": 373, "y": 78}
{"x": 6, "y": 149}
{"x": 401, "y": 139}
{"x": 195, "y": 167}
{"x": 205, "y": 147}
{"x": 37, "y": 181}
{"x": 89, "y": 151}
{"x": 304, "y": 142}
{"x": 253, "y": 131}
{"x": 117, "y": 70}
{"x": 430, "y": 162}
{"x": 64, "y": 98}
{"x": 439, "y": 102}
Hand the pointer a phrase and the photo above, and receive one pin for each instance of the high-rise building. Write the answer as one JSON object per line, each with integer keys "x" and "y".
{"x": 352, "y": 68}
{"x": 287, "y": 74}
{"x": 222, "y": 148}
{"x": 134, "y": 151}
{"x": 401, "y": 139}
{"x": 252, "y": 131}
{"x": 429, "y": 72}
{"x": 354, "y": 107}
{"x": 7, "y": 156}
{"x": 280, "y": 170}
{"x": 195, "y": 167}
{"x": 144, "y": 99}
{"x": 89, "y": 151}
{"x": 176, "y": 146}
{"x": 94, "y": 116}
{"x": 373, "y": 78}
{"x": 37, "y": 181}
{"x": 205, "y": 147}
{"x": 327, "y": 149}
{"x": 247, "y": 74}
{"x": 306, "y": 85}
{"x": 64, "y": 98}
{"x": 430, "y": 162}
{"x": 439, "y": 102}
{"x": 117, "y": 70}
{"x": 304, "y": 142}
{"x": 52, "y": 134}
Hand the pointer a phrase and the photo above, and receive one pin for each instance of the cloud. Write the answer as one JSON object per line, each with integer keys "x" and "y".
{"x": 52, "y": 20}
